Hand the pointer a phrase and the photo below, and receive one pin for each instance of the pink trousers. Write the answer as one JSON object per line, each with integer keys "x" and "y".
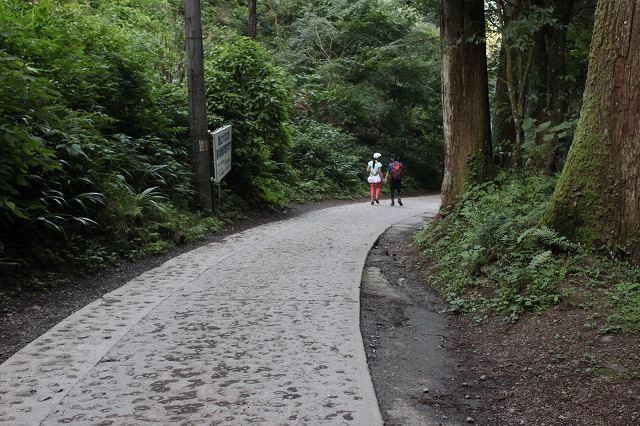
{"x": 375, "y": 190}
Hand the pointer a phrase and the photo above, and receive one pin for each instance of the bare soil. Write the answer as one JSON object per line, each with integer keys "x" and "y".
{"x": 429, "y": 367}
{"x": 558, "y": 368}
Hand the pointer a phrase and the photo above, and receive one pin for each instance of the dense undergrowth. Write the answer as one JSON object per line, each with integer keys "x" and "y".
{"x": 95, "y": 168}
{"x": 131, "y": 222}
{"x": 491, "y": 258}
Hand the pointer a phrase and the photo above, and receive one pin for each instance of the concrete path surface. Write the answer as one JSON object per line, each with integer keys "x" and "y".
{"x": 261, "y": 328}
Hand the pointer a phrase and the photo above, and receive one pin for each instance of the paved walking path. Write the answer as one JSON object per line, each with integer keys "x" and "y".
{"x": 261, "y": 328}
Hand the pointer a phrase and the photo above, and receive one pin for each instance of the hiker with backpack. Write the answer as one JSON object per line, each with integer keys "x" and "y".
{"x": 394, "y": 170}
{"x": 374, "y": 167}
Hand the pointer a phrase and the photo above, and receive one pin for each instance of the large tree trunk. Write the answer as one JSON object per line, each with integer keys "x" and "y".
{"x": 465, "y": 100}
{"x": 597, "y": 200}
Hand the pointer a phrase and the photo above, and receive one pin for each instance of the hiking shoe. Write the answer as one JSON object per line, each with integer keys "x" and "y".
{"x": 371, "y": 202}
{"x": 393, "y": 203}
{"x": 400, "y": 202}
{"x": 377, "y": 201}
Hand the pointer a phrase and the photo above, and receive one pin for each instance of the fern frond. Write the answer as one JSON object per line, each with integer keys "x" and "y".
{"x": 526, "y": 234}
{"x": 540, "y": 259}
{"x": 474, "y": 217}
{"x": 546, "y": 236}
{"x": 501, "y": 233}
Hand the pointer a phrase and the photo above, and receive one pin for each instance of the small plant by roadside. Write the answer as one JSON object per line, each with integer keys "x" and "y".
{"x": 625, "y": 307}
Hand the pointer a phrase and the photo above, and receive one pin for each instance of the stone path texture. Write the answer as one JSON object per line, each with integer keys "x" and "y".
{"x": 260, "y": 328}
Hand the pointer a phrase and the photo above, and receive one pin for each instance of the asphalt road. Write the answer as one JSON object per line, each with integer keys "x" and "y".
{"x": 261, "y": 328}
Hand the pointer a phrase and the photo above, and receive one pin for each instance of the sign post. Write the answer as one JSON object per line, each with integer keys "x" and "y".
{"x": 222, "y": 139}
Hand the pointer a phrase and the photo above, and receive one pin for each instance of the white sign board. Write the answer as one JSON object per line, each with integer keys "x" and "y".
{"x": 221, "y": 152}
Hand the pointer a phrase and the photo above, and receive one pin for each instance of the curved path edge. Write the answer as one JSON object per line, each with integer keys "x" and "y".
{"x": 262, "y": 327}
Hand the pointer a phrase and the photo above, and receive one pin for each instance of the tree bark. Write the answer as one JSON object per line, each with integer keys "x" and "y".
{"x": 518, "y": 63}
{"x": 466, "y": 121}
{"x": 503, "y": 130}
{"x": 597, "y": 199}
{"x": 253, "y": 20}
{"x": 553, "y": 91}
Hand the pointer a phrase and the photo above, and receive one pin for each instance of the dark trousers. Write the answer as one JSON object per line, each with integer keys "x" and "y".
{"x": 395, "y": 185}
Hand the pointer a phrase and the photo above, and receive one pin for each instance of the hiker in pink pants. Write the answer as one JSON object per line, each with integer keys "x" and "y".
{"x": 374, "y": 167}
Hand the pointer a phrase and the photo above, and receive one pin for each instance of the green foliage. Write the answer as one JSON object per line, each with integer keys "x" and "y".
{"x": 52, "y": 74}
{"x": 491, "y": 257}
{"x": 366, "y": 24}
{"x": 82, "y": 103}
{"x": 625, "y": 316}
{"x": 22, "y": 152}
{"x": 521, "y": 31}
{"x": 490, "y": 254}
{"x": 149, "y": 161}
{"x": 372, "y": 69}
{"x": 322, "y": 155}
{"x": 563, "y": 132}
{"x": 246, "y": 91}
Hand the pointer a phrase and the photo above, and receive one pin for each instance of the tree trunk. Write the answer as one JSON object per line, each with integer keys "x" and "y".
{"x": 466, "y": 122}
{"x": 503, "y": 130}
{"x": 518, "y": 63}
{"x": 552, "y": 72}
{"x": 597, "y": 200}
{"x": 253, "y": 20}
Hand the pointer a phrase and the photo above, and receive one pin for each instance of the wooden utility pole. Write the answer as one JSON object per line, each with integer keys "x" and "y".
{"x": 200, "y": 145}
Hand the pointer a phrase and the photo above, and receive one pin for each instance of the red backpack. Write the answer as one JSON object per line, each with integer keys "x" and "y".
{"x": 396, "y": 171}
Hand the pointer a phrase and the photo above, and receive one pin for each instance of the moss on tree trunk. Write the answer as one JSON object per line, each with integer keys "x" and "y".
{"x": 597, "y": 200}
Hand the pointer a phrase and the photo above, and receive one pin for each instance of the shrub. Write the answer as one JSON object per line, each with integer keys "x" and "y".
{"x": 490, "y": 254}
{"x": 246, "y": 91}
{"x": 328, "y": 161}
{"x": 490, "y": 257}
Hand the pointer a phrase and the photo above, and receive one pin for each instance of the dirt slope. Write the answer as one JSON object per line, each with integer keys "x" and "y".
{"x": 432, "y": 368}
